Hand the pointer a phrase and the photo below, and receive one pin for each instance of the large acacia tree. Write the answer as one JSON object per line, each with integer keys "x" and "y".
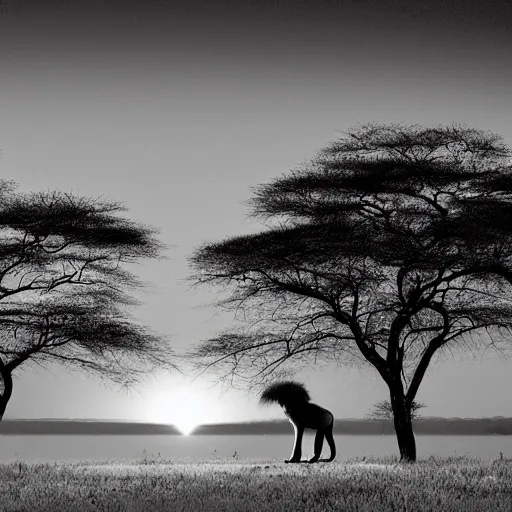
{"x": 64, "y": 288}
{"x": 391, "y": 247}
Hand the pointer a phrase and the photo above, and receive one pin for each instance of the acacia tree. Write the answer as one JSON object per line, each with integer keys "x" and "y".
{"x": 392, "y": 246}
{"x": 64, "y": 288}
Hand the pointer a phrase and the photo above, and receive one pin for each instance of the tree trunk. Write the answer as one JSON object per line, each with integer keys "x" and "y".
{"x": 7, "y": 392}
{"x": 403, "y": 427}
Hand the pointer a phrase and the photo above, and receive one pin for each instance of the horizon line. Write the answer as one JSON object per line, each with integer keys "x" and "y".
{"x": 113, "y": 420}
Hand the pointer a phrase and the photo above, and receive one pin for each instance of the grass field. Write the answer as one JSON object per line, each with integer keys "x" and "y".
{"x": 154, "y": 484}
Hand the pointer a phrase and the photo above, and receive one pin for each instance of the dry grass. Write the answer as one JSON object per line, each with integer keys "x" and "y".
{"x": 153, "y": 484}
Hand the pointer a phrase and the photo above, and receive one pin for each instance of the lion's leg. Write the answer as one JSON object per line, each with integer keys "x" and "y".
{"x": 330, "y": 441}
{"x": 319, "y": 442}
{"x": 297, "y": 448}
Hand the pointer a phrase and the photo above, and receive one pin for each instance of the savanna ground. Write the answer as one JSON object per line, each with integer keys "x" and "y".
{"x": 155, "y": 484}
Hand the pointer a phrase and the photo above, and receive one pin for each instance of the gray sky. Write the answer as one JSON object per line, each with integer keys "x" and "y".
{"x": 178, "y": 108}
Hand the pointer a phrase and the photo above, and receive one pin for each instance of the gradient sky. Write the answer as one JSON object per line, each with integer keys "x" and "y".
{"x": 177, "y": 108}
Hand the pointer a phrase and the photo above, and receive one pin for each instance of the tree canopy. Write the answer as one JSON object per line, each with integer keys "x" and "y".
{"x": 392, "y": 245}
{"x": 64, "y": 288}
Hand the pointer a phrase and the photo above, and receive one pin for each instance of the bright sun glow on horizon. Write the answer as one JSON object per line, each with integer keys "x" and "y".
{"x": 184, "y": 407}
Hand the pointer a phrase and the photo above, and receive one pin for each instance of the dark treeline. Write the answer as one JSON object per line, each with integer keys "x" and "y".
{"x": 425, "y": 426}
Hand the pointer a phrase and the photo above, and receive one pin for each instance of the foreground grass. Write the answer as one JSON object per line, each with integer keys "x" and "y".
{"x": 434, "y": 484}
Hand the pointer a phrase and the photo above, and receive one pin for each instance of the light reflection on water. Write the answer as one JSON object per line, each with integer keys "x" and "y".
{"x": 277, "y": 447}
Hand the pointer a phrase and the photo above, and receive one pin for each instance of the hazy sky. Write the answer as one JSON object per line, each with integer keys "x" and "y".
{"x": 177, "y": 108}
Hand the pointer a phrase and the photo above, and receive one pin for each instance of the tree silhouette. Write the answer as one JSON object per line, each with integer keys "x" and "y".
{"x": 64, "y": 289}
{"x": 391, "y": 246}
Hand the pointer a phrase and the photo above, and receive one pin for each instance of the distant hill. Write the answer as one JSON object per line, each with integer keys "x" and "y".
{"x": 427, "y": 426}
{"x": 83, "y": 427}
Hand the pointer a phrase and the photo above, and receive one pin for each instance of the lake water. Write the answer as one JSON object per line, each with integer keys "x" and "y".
{"x": 279, "y": 447}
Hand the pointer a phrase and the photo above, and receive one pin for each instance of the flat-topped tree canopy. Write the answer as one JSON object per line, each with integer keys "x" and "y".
{"x": 55, "y": 217}
{"x": 393, "y": 243}
{"x": 385, "y": 160}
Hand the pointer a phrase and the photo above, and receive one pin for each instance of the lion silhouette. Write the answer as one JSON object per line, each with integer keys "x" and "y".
{"x": 294, "y": 398}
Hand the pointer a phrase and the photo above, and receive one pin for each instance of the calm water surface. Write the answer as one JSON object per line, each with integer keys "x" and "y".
{"x": 63, "y": 448}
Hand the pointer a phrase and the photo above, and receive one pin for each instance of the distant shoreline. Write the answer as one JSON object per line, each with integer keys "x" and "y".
{"x": 426, "y": 426}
